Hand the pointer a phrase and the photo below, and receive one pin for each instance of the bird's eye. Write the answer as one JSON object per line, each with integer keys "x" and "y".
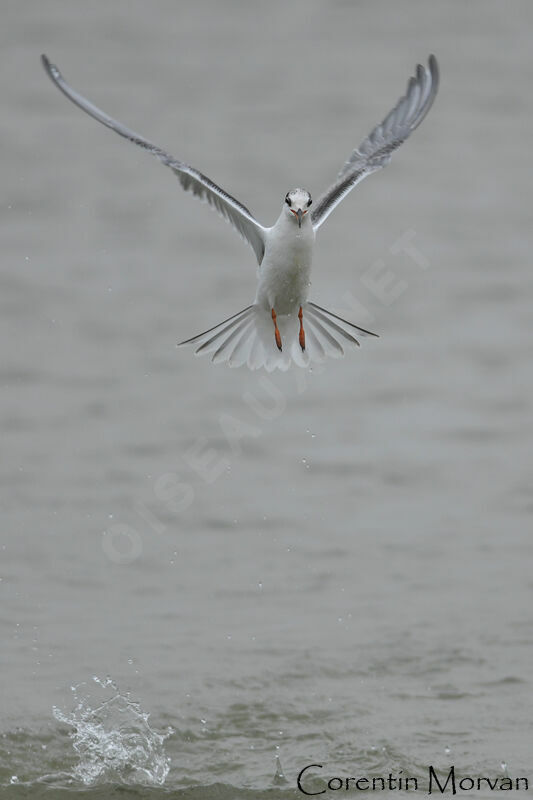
{"x": 288, "y": 200}
{"x": 309, "y": 202}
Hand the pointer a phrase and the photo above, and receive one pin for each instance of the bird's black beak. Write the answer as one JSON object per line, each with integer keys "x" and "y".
{"x": 299, "y": 213}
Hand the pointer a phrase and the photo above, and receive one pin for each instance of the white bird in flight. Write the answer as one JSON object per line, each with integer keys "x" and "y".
{"x": 282, "y": 326}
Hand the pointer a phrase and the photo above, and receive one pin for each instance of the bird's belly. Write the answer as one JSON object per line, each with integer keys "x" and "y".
{"x": 284, "y": 283}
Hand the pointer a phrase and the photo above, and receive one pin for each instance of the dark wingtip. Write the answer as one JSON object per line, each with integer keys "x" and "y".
{"x": 47, "y": 66}
{"x": 434, "y": 69}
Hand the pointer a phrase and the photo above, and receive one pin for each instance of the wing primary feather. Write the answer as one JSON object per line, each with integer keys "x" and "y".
{"x": 376, "y": 150}
{"x": 190, "y": 178}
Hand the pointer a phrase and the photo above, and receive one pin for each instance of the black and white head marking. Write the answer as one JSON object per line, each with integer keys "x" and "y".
{"x": 298, "y": 198}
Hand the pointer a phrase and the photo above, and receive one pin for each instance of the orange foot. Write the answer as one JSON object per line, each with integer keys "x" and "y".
{"x": 276, "y": 330}
{"x": 302, "y": 332}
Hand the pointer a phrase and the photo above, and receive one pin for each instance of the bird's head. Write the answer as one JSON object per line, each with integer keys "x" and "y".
{"x": 297, "y": 203}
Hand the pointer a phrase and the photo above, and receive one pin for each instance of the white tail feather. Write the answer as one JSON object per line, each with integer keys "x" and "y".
{"x": 248, "y": 338}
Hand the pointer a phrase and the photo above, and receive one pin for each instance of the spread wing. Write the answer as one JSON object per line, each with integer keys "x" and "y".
{"x": 191, "y": 179}
{"x": 376, "y": 150}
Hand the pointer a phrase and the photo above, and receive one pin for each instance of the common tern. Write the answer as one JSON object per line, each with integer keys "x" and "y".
{"x": 282, "y": 326}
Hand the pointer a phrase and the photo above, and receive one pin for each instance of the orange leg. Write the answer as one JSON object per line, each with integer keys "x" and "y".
{"x": 302, "y": 332}
{"x": 276, "y": 330}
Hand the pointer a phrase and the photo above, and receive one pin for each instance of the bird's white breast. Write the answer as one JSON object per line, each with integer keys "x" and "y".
{"x": 285, "y": 273}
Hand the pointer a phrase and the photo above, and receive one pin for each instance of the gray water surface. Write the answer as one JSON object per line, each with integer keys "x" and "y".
{"x": 330, "y": 567}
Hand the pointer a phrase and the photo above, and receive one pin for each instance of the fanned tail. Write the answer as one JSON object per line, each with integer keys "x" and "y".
{"x": 229, "y": 341}
{"x": 330, "y": 335}
{"x": 248, "y": 338}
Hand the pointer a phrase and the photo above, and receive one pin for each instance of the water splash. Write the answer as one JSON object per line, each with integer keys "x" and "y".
{"x": 114, "y": 741}
{"x": 279, "y": 777}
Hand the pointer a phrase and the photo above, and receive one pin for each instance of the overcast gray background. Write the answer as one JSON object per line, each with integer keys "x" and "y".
{"x": 360, "y": 575}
